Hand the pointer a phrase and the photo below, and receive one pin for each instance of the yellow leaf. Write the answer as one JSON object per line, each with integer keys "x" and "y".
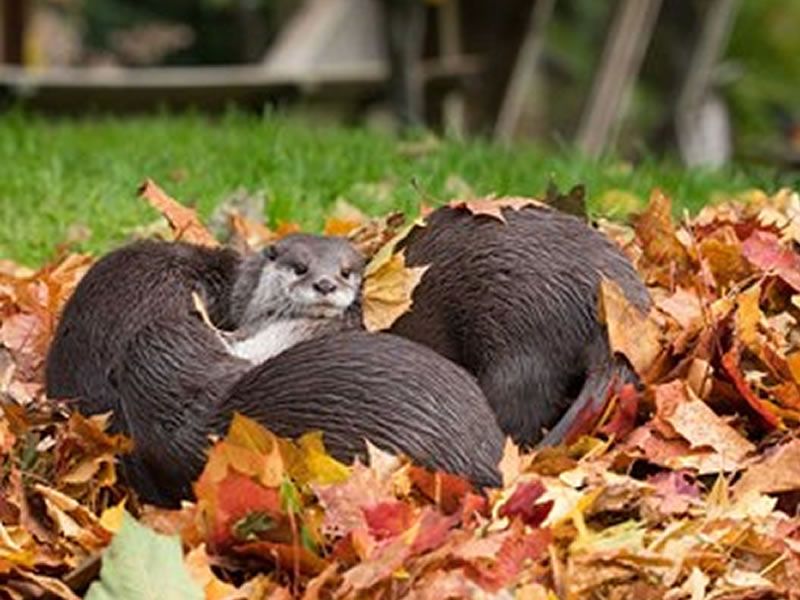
{"x": 111, "y": 519}
{"x": 747, "y": 318}
{"x": 247, "y": 433}
{"x": 322, "y": 468}
{"x": 388, "y": 289}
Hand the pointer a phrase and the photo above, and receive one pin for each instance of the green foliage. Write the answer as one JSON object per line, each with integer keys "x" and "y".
{"x": 143, "y": 565}
{"x": 765, "y": 49}
{"x": 61, "y": 176}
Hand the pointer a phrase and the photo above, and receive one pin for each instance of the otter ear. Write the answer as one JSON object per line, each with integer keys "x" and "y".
{"x": 270, "y": 252}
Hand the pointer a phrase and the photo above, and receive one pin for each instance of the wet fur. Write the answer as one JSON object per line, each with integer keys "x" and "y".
{"x": 516, "y": 305}
{"x": 131, "y": 340}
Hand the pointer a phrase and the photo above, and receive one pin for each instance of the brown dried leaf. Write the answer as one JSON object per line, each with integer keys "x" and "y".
{"x": 698, "y": 424}
{"x": 630, "y": 332}
{"x": 184, "y": 221}
{"x": 493, "y": 207}
{"x": 778, "y": 471}
{"x": 659, "y": 239}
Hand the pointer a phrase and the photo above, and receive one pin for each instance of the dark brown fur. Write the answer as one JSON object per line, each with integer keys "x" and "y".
{"x": 516, "y": 304}
{"x": 351, "y": 386}
{"x": 130, "y": 340}
{"x": 142, "y": 283}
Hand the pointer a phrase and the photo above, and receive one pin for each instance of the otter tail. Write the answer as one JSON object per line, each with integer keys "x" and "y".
{"x": 604, "y": 381}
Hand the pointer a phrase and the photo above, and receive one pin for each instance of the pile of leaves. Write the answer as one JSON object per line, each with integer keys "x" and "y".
{"x": 686, "y": 487}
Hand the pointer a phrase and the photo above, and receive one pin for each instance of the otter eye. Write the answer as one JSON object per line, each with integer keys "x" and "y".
{"x": 346, "y": 273}
{"x": 300, "y": 269}
{"x": 271, "y": 252}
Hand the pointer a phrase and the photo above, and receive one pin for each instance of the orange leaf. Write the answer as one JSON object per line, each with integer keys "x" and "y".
{"x": 657, "y": 233}
{"x": 778, "y": 471}
{"x": 184, "y": 221}
{"x": 767, "y": 419}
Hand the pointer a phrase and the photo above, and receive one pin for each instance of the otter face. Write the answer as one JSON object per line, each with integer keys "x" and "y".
{"x": 307, "y": 276}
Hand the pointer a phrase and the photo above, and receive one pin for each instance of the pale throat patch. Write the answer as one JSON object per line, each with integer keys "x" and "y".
{"x": 271, "y": 340}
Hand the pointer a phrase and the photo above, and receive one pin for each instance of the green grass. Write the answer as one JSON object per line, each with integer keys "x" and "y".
{"x": 55, "y": 174}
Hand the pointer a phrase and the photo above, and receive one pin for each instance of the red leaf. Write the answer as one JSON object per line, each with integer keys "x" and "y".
{"x": 765, "y": 252}
{"x": 237, "y": 497}
{"x": 623, "y": 418}
{"x": 522, "y": 504}
{"x": 388, "y": 519}
{"x": 446, "y": 490}
{"x": 433, "y": 530}
{"x": 511, "y": 559}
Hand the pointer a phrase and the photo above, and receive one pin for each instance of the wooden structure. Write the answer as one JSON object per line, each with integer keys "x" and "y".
{"x": 336, "y": 49}
{"x": 332, "y": 49}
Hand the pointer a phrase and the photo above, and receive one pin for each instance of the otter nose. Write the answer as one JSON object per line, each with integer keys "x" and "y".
{"x": 324, "y": 286}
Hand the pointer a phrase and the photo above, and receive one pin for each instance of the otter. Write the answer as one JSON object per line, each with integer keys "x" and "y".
{"x": 138, "y": 346}
{"x": 515, "y": 303}
{"x": 352, "y": 386}
{"x": 303, "y": 286}
{"x": 143, "y": 282}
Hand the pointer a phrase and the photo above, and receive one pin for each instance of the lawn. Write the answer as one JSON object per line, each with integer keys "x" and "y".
{"x": 58, "y": 176}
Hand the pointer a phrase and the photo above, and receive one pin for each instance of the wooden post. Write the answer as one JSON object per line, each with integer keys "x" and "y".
{"x": 626, "y": 44}
{"x": 524, "y": 70}
{"x": 14, "y": 18}
{"x": 717, "y": 25}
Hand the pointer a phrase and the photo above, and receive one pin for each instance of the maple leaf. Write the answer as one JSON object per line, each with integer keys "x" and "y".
{"x": 765, "y": 252}
{"x": 493, "y": 207}
{"x": 698, "y": 424}
{"x": 388, "y": 519}
{"x": 657, "y": 233}
{"x": 630, "y": 333}
{"x": 184, "y": 221}
{"x": 777, "y": 471}
{"x": 445, "y": 489}
{"x": 388, "y": 289}
{"x": 522, "y": 504}
{"x": 248, "y": 235}
{"x": 766, "y": 418}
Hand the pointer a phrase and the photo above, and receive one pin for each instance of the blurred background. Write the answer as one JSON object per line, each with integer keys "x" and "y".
{"x": 707, "y": 81}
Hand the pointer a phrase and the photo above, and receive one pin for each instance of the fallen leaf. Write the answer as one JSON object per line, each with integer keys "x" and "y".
{"x": 659, "y": 239}
{"x": 630, "y": 333}
{"x": 140, "y": 563}
{"x": 493, "y": 207}
{"x": 698, "y": 424}
{"x": 184, "y": 221}
{"x": 778, "y": 471}
{"x": 765, "y": 252}
{"x": 388, "y": 290}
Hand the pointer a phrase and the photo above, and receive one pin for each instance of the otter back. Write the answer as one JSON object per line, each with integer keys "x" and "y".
{"x": 351, "y": 386}
{"x": 516, "y": 304}
{"x": 129, "y": 288}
